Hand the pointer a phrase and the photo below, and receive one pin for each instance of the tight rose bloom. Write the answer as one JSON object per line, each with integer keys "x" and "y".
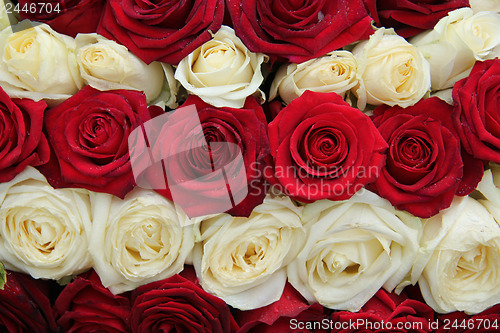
{"x": 25, "y": 305}
{"x": 89, "y": 134}
{"x": 22, "y": 141}
{"x": 243, "y": 260}
{"x": 299, "y": 30}
{"x": 204, "y": 151}
{"x": 391, "y": 71}
{"x": 322, "y": 148}
{"x": 477, "y": 116}
{"x": 51, "y": 74}
{"x": 78, "y": 310}
{"x": 68, "y": 17}
{"x": 137, "y": 240}
{"x": 411, "y": 17}
{"x": 222, "y": 72}
{"x": 424, "y": 165}
{"x": 179, "y": 304}
{"x": 457, "y": 266}
{"x": 353, "y": 249}
{"x": 43, "y": 231}
{"x": 161, "y": 30}
{"x": 335, "y": 72}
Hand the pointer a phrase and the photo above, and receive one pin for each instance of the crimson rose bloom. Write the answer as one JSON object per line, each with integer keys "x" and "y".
{"x": 22, "y": 142}
{"x": 201, "y": 162}
{"x": 410, "y": 17}
{"x": 25, "y": 305}
{"x": 163, "y": 30}
{"x": 85, "y": 305}
{"x": 277, "y": 316}
{"x": 299, "y": 30}
{"x": 477, "y": 115}
{"x": 322, "y": 148}
{"x": 386, "y": 312}
{"x": 89, "y": 136}
{"x": 424, "y": 166}
{"x": 69, "y": 17}
{"x": 178, "y": 304}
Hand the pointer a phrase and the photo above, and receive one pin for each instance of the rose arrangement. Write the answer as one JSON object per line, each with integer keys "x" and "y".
{"x": 239, "y": 166}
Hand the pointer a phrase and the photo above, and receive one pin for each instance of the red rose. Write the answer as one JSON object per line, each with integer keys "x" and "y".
{"x": 85, "y": 305}
{"x": 25, "y": 305}
{"x": 424, "y": 166}
{"x": 178, "y": 304}
{"x": 410, "y": 17}
{"x": 22, "y": 142}
{"x": 280, "y": 316}
{"x": 386, "y": 312}
{"x": 299, "y": 30}
{"x": 213, "y": 157}
{"x": 68, "y": 17}
{"x": 89, "y": 136}
{"x": 322, "y": 148}
{"x": 477, "y": 116}
{"x": 166, "y": 31}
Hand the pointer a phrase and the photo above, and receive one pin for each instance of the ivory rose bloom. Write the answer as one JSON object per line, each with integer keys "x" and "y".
{"x": 391, "y": 71}
{"x": 242, "y": 260}
{"x": 457, "y": 267}
{"x": 335, "y": 72}
{"x": 107, "y": 65}
{"x": 140, "y": 239}
{"x": 485, "y": 5}
{"x": 43, "y": 231}
{"x": 457, "y": 42}
{"x": 38, "y": 63}
{"x": 222, "y": 72}
{"x": 353, "y": 248}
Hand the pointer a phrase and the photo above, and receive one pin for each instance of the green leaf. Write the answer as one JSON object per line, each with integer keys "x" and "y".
{"x": 3, "y": 276}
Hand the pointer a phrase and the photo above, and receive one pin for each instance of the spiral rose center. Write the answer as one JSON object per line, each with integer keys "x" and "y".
{"x": 95, "y": 131}
{"x": 324, "y": 148}
{"x": 414, "y": 151}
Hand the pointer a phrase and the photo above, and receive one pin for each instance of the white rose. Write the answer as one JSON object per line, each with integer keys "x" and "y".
{"x": 43, "y": 231}
{"x": 8, "y": 16}
{"x": 487, "y": 191}
{"x": 222, "y": 72}
{"x": 485, "y": 5}
{"x": 38, "y": 63}
{"x": 140, "y": 239}
{"x": 457, "y": 267}
{"x": 335, "y": 72}
{"x": 456, "y": 42}
{"x": 107, "y": 65}
{"x": 391, "y": 71}
{"x": 353, "y": 248}
{"x": 243, "y": 260}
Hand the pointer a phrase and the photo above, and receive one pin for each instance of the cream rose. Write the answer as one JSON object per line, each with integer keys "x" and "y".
{"x": 43, "y": 231}
{"x": 335, "y": 72}
{"x": 391, "y": 71}
{"x": 140, "y": 239}
{"x": 38, "y": 63}
{"x": 457, "y": 42}
{"x": 457, "y": 267}
{"x": 353, "y": 248}
{"x": 222, "y": 72}
{"x": 8, "y": 16}
{"x": 107, "y": 65}
{"x": 243, "y": 260}
{"x": 485, "y": 5}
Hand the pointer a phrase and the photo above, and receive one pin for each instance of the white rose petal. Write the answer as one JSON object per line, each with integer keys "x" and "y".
{"x": 457, "y": 267}
{"x": 222, "y": 72}
{"x": 353, "y": 248}
{"x": 243, "y": 260}
{"x": 140, "y": 239}
{"x": 43, "y": 231}
{"x": 107, "y": 65}
{"x": 485, "y": 5}
{"x": 335, "y": 72}
{"x": 8, "y": 15}
{"x": 391, "y": 71}
{"x": 38, "y": 63}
